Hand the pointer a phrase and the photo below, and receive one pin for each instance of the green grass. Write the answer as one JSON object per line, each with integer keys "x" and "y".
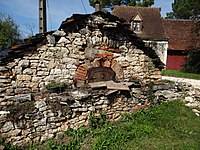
{"x": 168, "y": 126}
{"x": 177, "y": 73}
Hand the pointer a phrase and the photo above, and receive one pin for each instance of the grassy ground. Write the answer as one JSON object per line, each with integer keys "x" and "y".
{"x": 168, "y": 126}
{"x": 177, "y": 73}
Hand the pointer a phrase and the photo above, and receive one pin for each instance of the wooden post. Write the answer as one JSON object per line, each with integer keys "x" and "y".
{"x": 42, "y": 16}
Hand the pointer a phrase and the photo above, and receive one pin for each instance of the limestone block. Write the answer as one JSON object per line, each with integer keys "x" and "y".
{"x": 89, "y": 41}
{"x": 24, "y": 63}
{"x": 7, "y": 127}
{"x": 111, "y": 43}
{"x": 71, "y": 66}
{"x": 65, "y": 71}
{"x": 120, "y": 59}
{"x": 40, "y": 104}
{"x": 36, "y": 79}
{"x": 82, "y": 109}
{"x": 92, "y": 108}
{"x": 43, "y": 73}
{"x": 143, "y": 58}
{"x": 17, "y": 70}
{"x": 64, "y": 127}
{"x": 29, "y": 71}
{"x": 50, "y": 39}
{"x": 4, "y": 77}
{"x": 51, "y": 64}
{"x": 76, "y": 35}
{"x": 23, "y": 77}
{"x": 34, "y": 61}
{"x": 64, "y": 40}
{"x": 34, "y": 58}
{"x": 42, "y": 48}
{"x": 21, "y": 98}
{"x": 15, "y": 132}
{"x": 34, "y": 65}
{"x": 70, "y": 61}
{"x": 42, "y": 85}
{"x": 123, "y": 48}
{"x": 135, "y": 63}
{"x": 52, "y": 71}
{"x": 130, "y": 58}
{"x": 125, "y": 64}
{"x": 5, "y": 80}
{"x": 42, "y": 69}
{"x": 57, "y": 71}
{"x": 85, "y": 31}
{"x": 156, "y": 76}
{"x": 54, "y": 49}
{"x": 2, "y": 69}
{"x": 59, "y": 33}
{"x": 32, "y": 84}
{"x": 65, "y": 51}
{"x": 10, "y": 91}
{"x": 96, "y": 40}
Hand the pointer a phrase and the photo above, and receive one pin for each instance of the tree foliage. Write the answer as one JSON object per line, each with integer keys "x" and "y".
{"x": 185, "y": 9}
{"x": 192, "y": 64}
{"x": 9, "y": 31}
{"x": 109, "y": 4}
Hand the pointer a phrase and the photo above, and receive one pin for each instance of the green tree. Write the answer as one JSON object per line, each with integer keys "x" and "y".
{"x": 109, "y": 4}
{"x": 9, "y": 32}
{"x": 185, "y": 9}
{"x": 193, "y": 62}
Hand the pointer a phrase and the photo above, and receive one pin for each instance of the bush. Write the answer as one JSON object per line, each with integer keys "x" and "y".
{"x": 56, "y": 87}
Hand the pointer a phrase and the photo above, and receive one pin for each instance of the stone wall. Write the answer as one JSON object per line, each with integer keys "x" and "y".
{"x": 37, "y": 117}
{"x": 30, "y": 114}
{"x": 58, "y": 61}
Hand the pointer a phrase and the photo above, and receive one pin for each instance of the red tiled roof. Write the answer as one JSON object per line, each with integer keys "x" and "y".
{"x": 152, "y": 22}
{"x": 181, "y": 34}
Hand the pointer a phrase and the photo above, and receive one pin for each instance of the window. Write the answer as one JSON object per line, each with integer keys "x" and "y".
{"x": 136, "y": 24}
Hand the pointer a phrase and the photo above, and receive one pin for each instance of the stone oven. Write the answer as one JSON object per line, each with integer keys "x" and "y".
{"x": 86, "y": 48}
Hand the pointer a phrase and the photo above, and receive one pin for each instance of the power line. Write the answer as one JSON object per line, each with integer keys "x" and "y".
{"x": 84, "y": 6}
{"x": 49, "y": 15}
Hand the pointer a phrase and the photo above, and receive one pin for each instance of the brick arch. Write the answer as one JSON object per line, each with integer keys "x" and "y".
{"x": 103, "y": 64}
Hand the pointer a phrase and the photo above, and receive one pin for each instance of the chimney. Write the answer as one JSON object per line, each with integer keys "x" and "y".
{"x": 97, "y": 5}
{"x": 42, "y": 16}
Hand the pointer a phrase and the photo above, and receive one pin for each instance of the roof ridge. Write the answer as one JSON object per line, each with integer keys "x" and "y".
{"x": 188, "y": 20}
{"x": 139, "y": 7}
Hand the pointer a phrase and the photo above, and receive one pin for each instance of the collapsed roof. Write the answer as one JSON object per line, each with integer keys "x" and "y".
{"x": 108, "y": 24}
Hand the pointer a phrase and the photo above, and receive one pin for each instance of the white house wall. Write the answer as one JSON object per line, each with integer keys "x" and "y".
{"x": 160, "y": 47}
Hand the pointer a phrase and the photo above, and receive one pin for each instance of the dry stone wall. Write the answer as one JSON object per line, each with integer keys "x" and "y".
{"x": 37, "y": 117}
{"x": 29, "y": 118}
{"x": 30, "y": 114}
{"x": 59, "y": 61}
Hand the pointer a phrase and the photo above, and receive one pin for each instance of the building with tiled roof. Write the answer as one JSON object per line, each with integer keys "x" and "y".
{"x": 146, "y": 22}
{"x": 171, "y": 39}
{"x": 150, "y": 19}
{"x": 182, "y": 38}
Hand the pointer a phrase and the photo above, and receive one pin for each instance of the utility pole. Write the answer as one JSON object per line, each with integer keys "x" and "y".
{"x": 42, "y": 16}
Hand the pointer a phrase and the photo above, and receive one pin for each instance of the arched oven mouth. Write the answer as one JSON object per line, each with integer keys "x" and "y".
{"x": 97, "y": 74}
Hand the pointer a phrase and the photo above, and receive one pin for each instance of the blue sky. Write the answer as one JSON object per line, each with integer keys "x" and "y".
{"x": 25, "y": 12}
